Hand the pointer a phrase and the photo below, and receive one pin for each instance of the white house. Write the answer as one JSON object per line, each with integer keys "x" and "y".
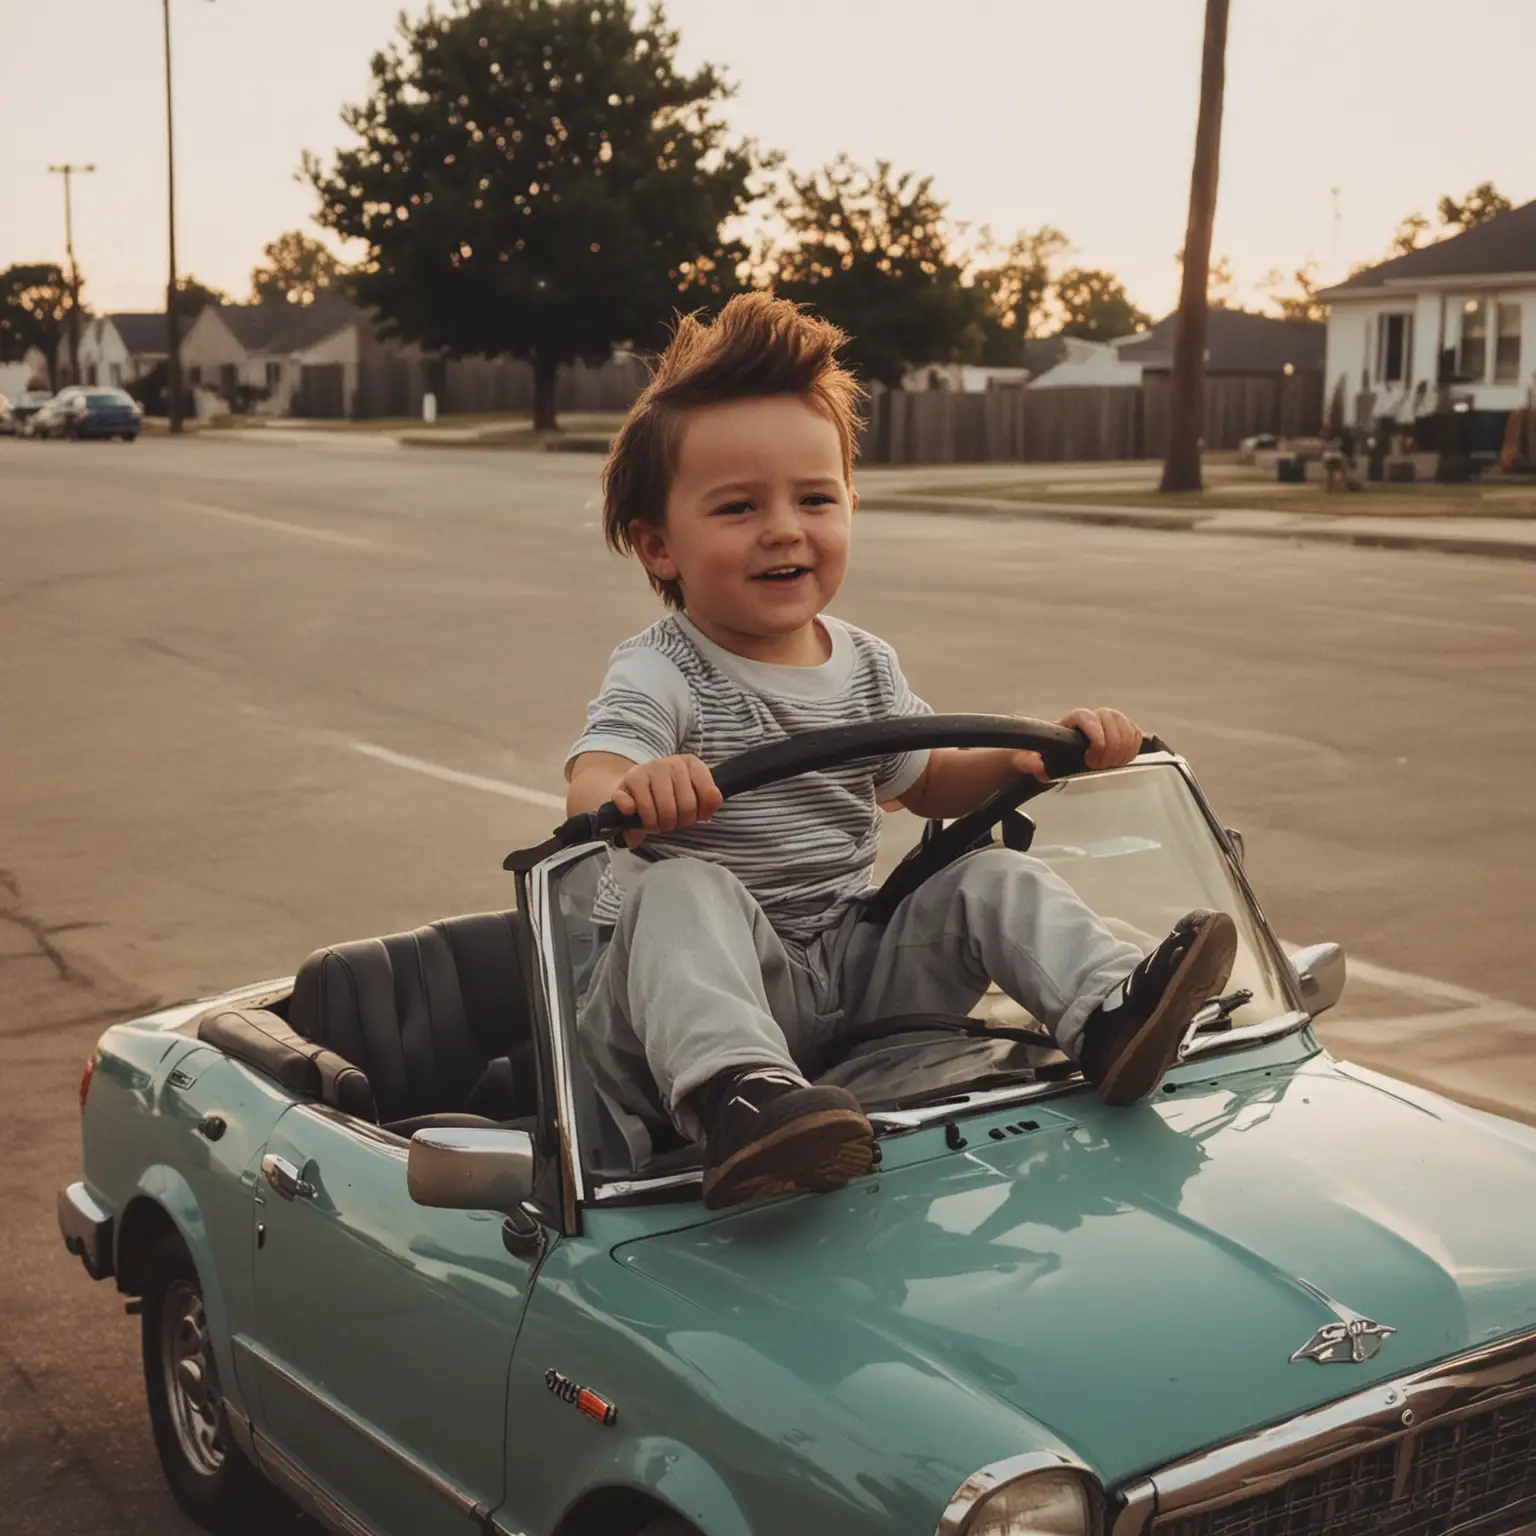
{"x": 117, "y": 349}
{"x": 1088, "y": 363}
{"x": 274, "y": 354}
{"x": 18, "y": 377}
{"x": 1459, "y": 314}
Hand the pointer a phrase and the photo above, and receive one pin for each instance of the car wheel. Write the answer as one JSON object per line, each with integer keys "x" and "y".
{"x": 668, "y": 1525}
{"x": 208, "y": 1473}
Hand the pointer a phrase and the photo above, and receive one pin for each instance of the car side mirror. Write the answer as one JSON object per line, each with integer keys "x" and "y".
{"x": 1320, "y": 970}
{"x": 469, "y": 1169}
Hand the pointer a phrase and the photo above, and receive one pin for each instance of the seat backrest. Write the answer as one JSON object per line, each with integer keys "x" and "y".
{"x": 421, "y": 1013}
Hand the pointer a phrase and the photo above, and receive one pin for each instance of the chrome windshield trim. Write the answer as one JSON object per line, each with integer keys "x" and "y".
{"x": 1397, "y": 1411}
{"x": 542, "y": 910}
{"x": 1247, "y": 1034}
{"x": 968, "y": 1498}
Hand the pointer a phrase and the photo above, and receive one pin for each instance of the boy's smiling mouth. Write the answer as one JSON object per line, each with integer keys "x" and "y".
{"x": 782, "y": 573}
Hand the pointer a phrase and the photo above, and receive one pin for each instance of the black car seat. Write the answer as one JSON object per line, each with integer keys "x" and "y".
{"x": 436, "y": 1019}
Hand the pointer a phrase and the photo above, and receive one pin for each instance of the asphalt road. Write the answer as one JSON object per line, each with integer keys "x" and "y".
{"x": 260, "y": 696}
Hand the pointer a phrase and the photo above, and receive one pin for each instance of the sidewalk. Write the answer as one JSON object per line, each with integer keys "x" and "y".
{"x": 1492, "y": 537}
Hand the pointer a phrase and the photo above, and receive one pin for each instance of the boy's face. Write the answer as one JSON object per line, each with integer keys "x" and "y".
{"x": 758, "y": 522}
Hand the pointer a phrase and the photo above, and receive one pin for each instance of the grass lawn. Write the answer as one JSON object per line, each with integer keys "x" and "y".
{"x": 1248, "y": 491}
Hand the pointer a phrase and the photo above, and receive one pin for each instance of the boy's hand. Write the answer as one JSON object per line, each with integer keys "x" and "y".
{"x": 668, "y": 794}
{"x": 1113, "y": 739}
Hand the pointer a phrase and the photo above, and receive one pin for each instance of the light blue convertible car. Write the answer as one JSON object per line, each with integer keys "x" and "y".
{"x": 395, "y": 1256}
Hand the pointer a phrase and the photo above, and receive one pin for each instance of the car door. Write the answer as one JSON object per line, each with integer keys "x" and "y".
{"x": 384, "y": 1330}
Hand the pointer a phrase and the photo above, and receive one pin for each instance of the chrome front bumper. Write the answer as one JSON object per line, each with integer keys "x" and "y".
{"x": 87, "y": 1230}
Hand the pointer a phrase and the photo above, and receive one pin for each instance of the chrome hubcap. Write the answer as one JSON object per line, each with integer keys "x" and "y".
{"x": 191, "y": 1379}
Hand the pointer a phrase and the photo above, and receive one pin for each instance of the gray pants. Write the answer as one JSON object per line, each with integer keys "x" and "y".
{"x": 695, "y": 980}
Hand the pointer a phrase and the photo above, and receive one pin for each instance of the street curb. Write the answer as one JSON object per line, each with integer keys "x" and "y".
{"x": 1157, "y": 521}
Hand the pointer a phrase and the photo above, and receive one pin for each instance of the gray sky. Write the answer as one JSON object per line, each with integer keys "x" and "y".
{"x": 1076, "y": 114}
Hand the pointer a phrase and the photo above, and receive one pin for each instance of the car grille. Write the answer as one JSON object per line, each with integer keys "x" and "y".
{"x": 1463, "y": 1473}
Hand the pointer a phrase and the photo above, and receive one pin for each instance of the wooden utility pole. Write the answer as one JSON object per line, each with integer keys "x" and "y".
{"x": 172, "y": 326}
{"x": 1181, "y": 468}
{"x": 68, "y": 171}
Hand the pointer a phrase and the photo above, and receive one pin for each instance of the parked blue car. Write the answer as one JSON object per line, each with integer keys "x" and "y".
{"x": 395, "y": 1257}
{"x": 81, "y": 411}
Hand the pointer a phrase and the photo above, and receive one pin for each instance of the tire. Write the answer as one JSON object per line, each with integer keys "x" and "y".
{"x": 668, "y": 1525}
{"x": 208, "y": 1473}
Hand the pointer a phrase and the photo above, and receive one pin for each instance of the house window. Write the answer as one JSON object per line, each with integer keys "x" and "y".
{"x": 90, "y": 374}
{"x": 1472, "y": 365}
{"x": 274, "y": 375}
{"x": 229, "y": 378}
{"x": 1394, "y": 357}
{"x": 194, "y": 376}
{"x": 1506, "y": 357}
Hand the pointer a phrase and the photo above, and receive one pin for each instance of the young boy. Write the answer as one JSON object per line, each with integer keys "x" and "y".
{"x": 731, "y": 949}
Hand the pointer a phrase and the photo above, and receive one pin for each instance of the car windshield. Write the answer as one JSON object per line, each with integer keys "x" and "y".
{"x": 1135, "y": 843}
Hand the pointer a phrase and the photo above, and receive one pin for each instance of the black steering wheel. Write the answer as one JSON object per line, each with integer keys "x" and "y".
{"x": 1062, "y": 750}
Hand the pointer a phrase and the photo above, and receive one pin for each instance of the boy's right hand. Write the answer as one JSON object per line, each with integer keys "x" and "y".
{"x": 668, "y": 794}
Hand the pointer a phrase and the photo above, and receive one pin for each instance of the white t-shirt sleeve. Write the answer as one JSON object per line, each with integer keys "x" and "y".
{"x": 642, "y": 712}
{"x": 899, "y": 771}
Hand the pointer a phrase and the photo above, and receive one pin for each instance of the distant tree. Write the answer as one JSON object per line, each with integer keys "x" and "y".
{"x": 1017, "y": 284}
{"x": 1095, "y": 306}
{"x": 193, "y": 297}
{"x": 1412, "y": 232}
{"x": 34, "y": 301}
{"x": 537, "y": 178}
{"x": 870, "y": 250}
{"x": 297, "y": 270}
{"x": 1296, "y": 298}
{"x": 1482, "y": 203}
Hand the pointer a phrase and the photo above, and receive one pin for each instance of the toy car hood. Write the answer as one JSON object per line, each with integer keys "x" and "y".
{"x": 1140, "y": 1281}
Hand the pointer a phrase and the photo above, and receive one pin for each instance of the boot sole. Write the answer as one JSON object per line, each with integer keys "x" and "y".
{"x": 813, "y": 1153}
{"x": 1202, "y": 974}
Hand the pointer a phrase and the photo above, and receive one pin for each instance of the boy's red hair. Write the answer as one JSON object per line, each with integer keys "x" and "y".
{"x": 757, "y": 346}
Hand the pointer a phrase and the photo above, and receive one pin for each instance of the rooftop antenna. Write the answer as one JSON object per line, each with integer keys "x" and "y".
{"x": 1333, "y": 246}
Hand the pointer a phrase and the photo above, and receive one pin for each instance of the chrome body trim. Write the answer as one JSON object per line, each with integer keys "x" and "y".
{"x": 542, "y": 910}
{"x": 1392, "y": 1412}
{"x": 455, "y": 1495}
{"x": 305, "y": 1491}
{"x": 621, "y": 1189}
{"x": 86, "y": 1227}
{"x": 968, "y": 1498}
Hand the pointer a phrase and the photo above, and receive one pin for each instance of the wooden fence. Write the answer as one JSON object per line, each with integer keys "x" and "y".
{"x": 394, "y": 385}
{"x": 1049, "y": 425}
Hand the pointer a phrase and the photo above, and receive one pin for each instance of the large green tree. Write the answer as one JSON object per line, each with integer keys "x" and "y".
{"x": 538, "y": 178}
{"x": 193, "y": 297}
{"x": 1017, "y": 284}
{"x": 297, "y": 270}
{"x": 1095, "y": 306}
{"x": 1482, "y": 203}
{"x": 870, "y": 250}
{"x": 34, "y": 301}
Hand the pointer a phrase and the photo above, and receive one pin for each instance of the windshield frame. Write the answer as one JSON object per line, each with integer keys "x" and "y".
{"x": 541, "y": 901}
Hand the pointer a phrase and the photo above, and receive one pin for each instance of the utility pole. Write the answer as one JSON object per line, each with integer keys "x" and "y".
{"x": 172, "y": 326}
{"x": 67, "y": 171}
{"x": 1186, "y": 413}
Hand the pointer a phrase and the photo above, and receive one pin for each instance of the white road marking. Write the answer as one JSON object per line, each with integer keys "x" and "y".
{"x": 279, "y": 525}
{"x": 467, "y": 780}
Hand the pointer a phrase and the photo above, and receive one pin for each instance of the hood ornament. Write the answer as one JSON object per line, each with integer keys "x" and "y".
{"x": 1350, "y": 1341}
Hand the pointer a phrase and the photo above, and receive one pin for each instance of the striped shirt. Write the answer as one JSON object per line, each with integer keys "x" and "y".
{"x": 803, "y": 847}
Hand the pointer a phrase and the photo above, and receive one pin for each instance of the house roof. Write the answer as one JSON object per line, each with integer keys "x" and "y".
{"x": 1504, "y": 244}
{"x": 143, "y": 334}
{"x": 285, "y": 328}
{"x": 1236, "y": 341}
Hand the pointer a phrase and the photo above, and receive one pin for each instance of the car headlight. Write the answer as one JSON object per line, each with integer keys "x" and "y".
{"x": 1037, "y": 1495}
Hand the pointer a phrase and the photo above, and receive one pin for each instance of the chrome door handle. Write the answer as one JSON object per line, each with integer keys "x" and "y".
{"x": 285, "y": 1179}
